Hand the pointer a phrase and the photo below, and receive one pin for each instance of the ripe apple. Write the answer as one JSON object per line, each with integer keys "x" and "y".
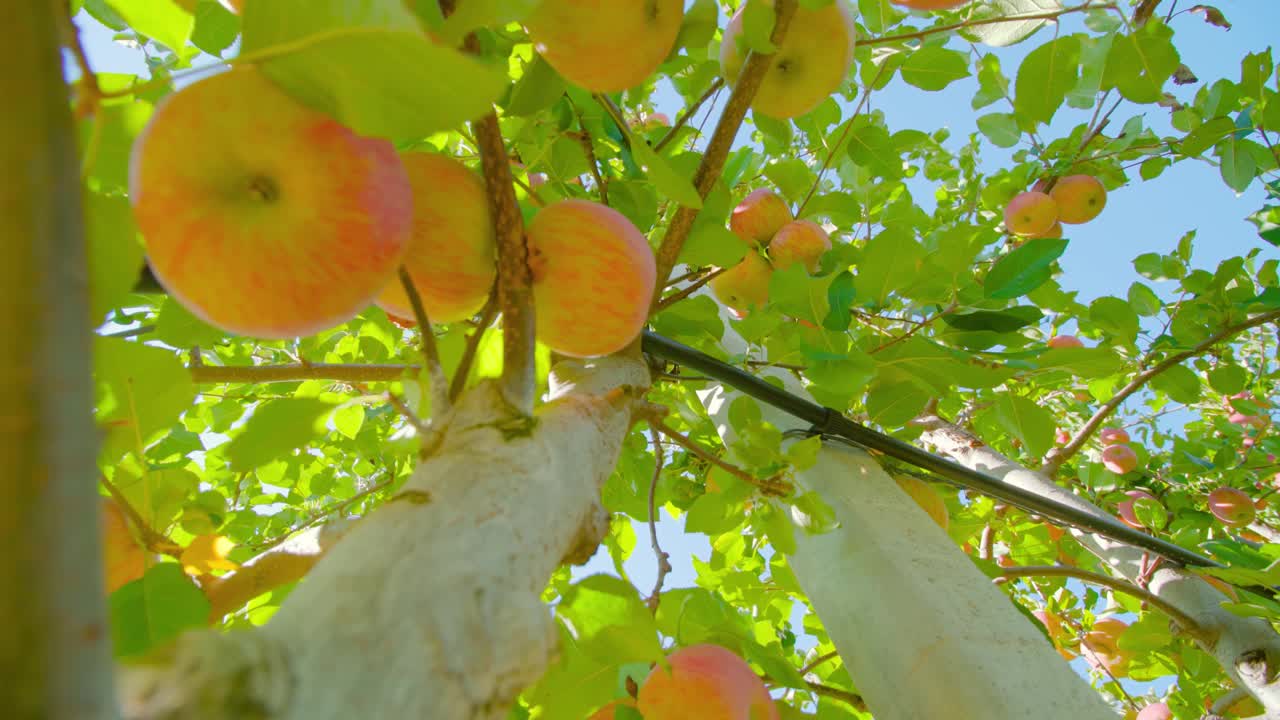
{"x": 1101, "y": 650}
{"x": 1080, "y": 198}
{"x": 1064, "y": 341}
{"x": 759, "y": 217}
{"x": 1237, "y": 418}
{"x": 800, "y": 241}
{"x": 607, "y": 712}
{"x": 1054, "y": 627}
{"x": 122, "y": 557}
{"x": 1233, "y": 507}
{"x": 605, "y": 46}
{"x": 1061, "y": 437}
{"x": 1125, "y": 507}
{"x": 808, "y": 67}
{"x": 704, "y": 681}
{"x": 451, "y": 253}
{"x": 926, "y": 497}
{"x": 931, "y": 4}
{"x": 593, "y": 277}
{"x": 1052, "y": 233}
{"x": 262, "y": 216}
{"x": 744, "y": 285}
{"x": 1030, "y": 213}
{"x": 1113, "y": 436}
{"x": 1156, "y": 711}
{"x": 656, "y": 120}
{"x": 1119, "y": 459}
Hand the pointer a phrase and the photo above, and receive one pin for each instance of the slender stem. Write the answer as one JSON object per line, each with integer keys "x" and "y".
{"x": 769, "y": 486}
{"x": 664, "y": 560}
{"x": 852, "y": 698}
{"x": 709, "y": 170}
{"x": 430, "y": 352}
{"x": 473, "y": 345}
{"x": 296, "y": 372}
{"x": 151, "y": 538}
{"x": 844, "y": 135}
{"x": 1185, "y": 621}
{"x": 818, "y": 661}
{"x": 688, "y": 113}
{"x": 985, "y": 21}
{"x": 685, "y": 292}
{"x": 916, "y": 329}
{"x": 319, "y": 515}
{"x": 1057, "y": 457}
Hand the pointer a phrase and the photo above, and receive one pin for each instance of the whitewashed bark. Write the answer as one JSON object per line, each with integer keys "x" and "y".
{"x": 922, "y": 631}
{"x": 429, "y": 607}
{"x": 1247, "y": 648}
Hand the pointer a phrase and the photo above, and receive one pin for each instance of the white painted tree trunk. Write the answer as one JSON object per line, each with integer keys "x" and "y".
{"x": 922, "y": 631}
{"x": 1247, "y": 648}
{"x": 429, "y": 607}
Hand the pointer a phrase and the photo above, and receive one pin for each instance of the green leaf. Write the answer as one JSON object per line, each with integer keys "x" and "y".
{"x": 612, "y": 623}
{"x": 115, "y": 255}
{"x": 348, "y": 419}
{"x": 1082, "y": 362}
{"x": 871, "y": 147}
{"x": 335, "y": 56}
{"x": 277, "y": 428}
{"x": 161, "y": 20}
{"x": 1114, "y": 316}
{"x": 1236, "y": 164}
{"x": 216, "y": 27}
{"x": 1180, "y": 383}
{"x": 1027, "y": 421}
{"x": 669, "y": 181}
{"x": 1228, "y": 379}
{"x": 1024, "y": 269}
{"x": 1206, "y": 136}
{"x": 1144, "y": 300}
{"x": 795, "y": 293}
{"x": 141, "y": 391}
{"x": 998, "y": 321}
{"x": 1008, "y": 33}
{"x": 889, "y": 261}
{"x": 154, "y": 609}
{"x": 1140, "y": 64}
{"x": 177, "y": 327}
{"x": 933, "y": 68}
{"x": 1000, "y": 128}
{"x": 538, "y": 89}
{"x": 1044, "y": 78}
{"x": 894, "y": 404}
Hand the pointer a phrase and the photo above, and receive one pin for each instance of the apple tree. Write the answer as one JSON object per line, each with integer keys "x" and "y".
{"x": 323, "y": 370}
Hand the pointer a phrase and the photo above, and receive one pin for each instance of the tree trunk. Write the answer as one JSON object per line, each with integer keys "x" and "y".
{"x": 1247, "y": 648}
{"x": 54, "y": 650}
{"x": 922, "y": 631}
{"x": 429, "y": 607}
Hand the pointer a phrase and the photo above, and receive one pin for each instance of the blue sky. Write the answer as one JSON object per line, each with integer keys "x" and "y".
{"x": 1140, "y": 217}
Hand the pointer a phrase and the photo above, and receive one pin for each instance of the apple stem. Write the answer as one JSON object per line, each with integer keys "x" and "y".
{"x": 430, "y": 352}
{"x": 712, "y": 165}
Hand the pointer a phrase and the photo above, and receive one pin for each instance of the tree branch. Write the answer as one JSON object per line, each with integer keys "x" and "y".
{"x": 688, "y": 113}
{"x": 664, "y": 563}
{"x": 285, "y": 561}
{"x": 473, "y": 345}
{"x": 985, "y": 21}
{"x": 744, "y": 92}
{"x": 1058, "y": 456}
{"x": 430, "y": 353}
{"x": 769, "y": 486}
{"x": 852, "y": 698}
{"x": 685, "y": 292}
{"x": 152, "y": 540}
{"x": 296, "y": 372}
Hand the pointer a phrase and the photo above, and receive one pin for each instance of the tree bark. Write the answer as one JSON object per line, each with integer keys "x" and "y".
{"x": 1247, "y": 648}
{"x": 54, "y": 655}
{"x": 430, "y": 606}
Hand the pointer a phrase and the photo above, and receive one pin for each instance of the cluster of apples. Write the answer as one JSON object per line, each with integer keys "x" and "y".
{"x": 1041, "y": 211}
{"x": 267, "y": 218}
{"x": 700, "y": 681}
{"x": 1101, "y": 647}
{"x": 764, "y": 221}
{"x": 1117, "y": 456}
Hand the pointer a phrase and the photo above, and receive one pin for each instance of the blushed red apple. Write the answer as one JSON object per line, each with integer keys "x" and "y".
{"x": 1125, "y": 508}
{"x": 451, "y": 255}
{"x": 745, "y": 285}
{"x": 1030, "y": 213}
{"x": 706, "y": 682}
{"x": 1233, "y": 507}
{"x": 799, "y": 241}
{"x": 1113, "y": 436}
{"x": 1119, "y": 459}
{"x": 759, "y": 217}
{"x": 1155, "y": 711}
{"x": 605, "y": 45}
{"x": 262, "y": 216}
{"x": 593, "y": 277}
{"x": 1058, "y": 342}
{"x": 1080, "y": 198}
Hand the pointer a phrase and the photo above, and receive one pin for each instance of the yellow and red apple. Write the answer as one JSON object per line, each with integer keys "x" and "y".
{"x": 1058, "y": 342}
{"x": 706, "y": 682}
{"x": 451, "y": 255}
{"x": 262, "y": 216}
{"x": 1080, "y": 198}
{"x": 1101, "y": 647}
{"x": 605, "y": 45}
{"x": 593, "y": 277}
{"x": 1125, "y": 508}
{"x": 1113, "y": 436}
{"x": 1233, "y": 507}
{"x": 807, "y": 68}
{"x": 759, "y": 217}
{"x": 1030, "y": 214}
{"x": 745, "y": 285}
{"x": 1119, "y": 459}
{"x": 799, "y": 241}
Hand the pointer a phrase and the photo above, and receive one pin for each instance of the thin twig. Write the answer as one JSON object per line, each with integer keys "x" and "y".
{"x": 769, "y": 486}
{"x": 916, "y": 329}
{"x": 844, "y": 135}
{"x": 1057, "y": 457}
{"x": 151, "y": 539}
{"x": 809, "y": 666}
{"x": 319, "y": 515}
{"x": 664, "y": 560}
{"x": 685, "y": 292}
{"x": 984, "y": 21}
{"x": 408, "y": 414}
{"x": 295, "y": 372}
{"x": 688, "y": 113}
{"x": 430, "y": 352}
{"x": 709, "y": 170}
{"x": 1185, "y": 621}
{"x": 852, "y": 698}
{"x": 589, "y": 149}
{"x": 473, "y": 344}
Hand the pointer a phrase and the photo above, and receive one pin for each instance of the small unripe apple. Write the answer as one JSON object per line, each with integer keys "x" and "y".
{"x": 1119, "y": 459}
{"x": 801, "y": 241}
{"x": 1156, "y": 711}
{"x": 1233, "y": 507}
{"x": 704, "y": 681}
{"x": 262, "y": 216}
{"x": 605, "y": 46}
{"x": 1113, "y": 436}
{"x": 1125, "y": 507}
{"x": 1030, "y": 213}
{"x": 451, "y": 255}
{"x": 744, "y": 285}
{"x": 930, "y": 4}
{"x": 1058, "y": 342}
{"x": 593, "y": 277}
{"x": 1080, "y": 198}
{"x": 759, "y": 217}
{"x": 810, "y": 65}
{"x": 926, "y": 497}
